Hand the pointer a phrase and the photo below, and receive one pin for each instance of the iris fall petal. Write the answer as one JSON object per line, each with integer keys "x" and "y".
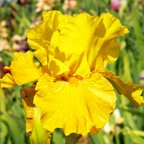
{"x": 131, "y": 91}
{"x": 76, "y": 106}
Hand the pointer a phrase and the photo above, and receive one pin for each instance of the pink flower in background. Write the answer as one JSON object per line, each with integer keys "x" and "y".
{"x": 115, "y": 5}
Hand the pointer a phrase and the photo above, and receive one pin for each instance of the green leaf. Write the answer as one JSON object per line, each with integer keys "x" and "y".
{"x": 58, "y": 137}
{"x": 14, "y": 131}
{"x": 97, "y": 139}
{"x": 39, "y": 134}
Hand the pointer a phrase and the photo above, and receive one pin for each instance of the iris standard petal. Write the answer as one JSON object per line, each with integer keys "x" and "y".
{"x": 77, "y": 106}
{"x": 40, "y": 35}
{"x": 41, "y": 55}
{"x": 105, "y": 44}
{"x": 82, "y": 42}
{"x": 75, "y": 37}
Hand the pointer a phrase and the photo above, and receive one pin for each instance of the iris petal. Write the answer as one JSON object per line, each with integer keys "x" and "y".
{"x": 7, "y": 81}
{"x": 24, "y": 69}
{"x": 76, "y": 106}
{"x": 40, "y": 35}
{"x": 105, "y": 46}
{"x": 131, "y": 91}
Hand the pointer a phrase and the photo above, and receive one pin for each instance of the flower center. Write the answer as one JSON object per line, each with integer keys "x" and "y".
{"x": 73, "y": 80}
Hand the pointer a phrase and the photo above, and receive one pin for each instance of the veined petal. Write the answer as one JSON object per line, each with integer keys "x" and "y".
{"x": 108, "y": 53}
{"x": 53, "y": 18}
{"x": 40, "y": 35}
{"x": 7, "y": 81}
{"x": 24, "y": 69}
{"x": 113, "y": 26}
{"x": 105, "y": 44}
{"x": 110, "y": 50}
{"x": 131, "y": 91}
{"x": 83, "y": 43}
{"x": 82, "y": 69}
{"x": 41, "y": 55}
{"x": 75, "y": 37}
{"x": 77, "y": 106}
{"x": 69, "y": 43}
{"x": 56, "y": 67}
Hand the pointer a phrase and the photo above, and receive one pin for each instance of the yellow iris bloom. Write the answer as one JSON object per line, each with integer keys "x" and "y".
{"x": 73, "y": 90}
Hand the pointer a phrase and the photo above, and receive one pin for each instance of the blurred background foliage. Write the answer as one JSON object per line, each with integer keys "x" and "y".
{"x": 126, "y": 125}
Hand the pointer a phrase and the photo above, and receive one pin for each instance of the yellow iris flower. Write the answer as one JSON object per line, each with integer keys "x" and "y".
{"x": 73, "y": 90}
